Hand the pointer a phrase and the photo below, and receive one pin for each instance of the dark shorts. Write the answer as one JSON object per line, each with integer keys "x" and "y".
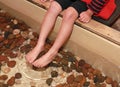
{"x": 78, "y": 5}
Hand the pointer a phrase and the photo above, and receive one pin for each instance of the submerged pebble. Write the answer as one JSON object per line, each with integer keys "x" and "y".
{"x": 5, "y": 69}
{"x": 49, "y": 81}
{"x": 11, "y": 81}
{"x": 16, "y": 31}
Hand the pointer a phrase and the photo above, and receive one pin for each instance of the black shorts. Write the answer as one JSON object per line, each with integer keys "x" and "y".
{"x": 78, "y": 5}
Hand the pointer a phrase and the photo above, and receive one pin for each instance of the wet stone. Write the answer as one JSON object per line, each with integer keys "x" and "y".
{"x": 98, "y": 84}
{"x": 54, "y": 65}
{"x": 70, "y": 79}
{"x": 86, "y": 84}
{"x": 10, "y": 53}
{"x": 90, "y": 76}
{"x": 11, "y": 81}
{"x": 79, "y": 69}
{"x": 18, "y": 75}
{"x": 57, "y": 59}
{"x": 81, "y": 62}
{"x": 73, "y": 66}
{"x": 49, "y": 81}
{"x": 35, "y": 34}
{"x": 54, "y": 74}
{"x": 64, "y": 62}
{"x": 103, "y": 85}
{"x": 109, "y": 80}
{"x": 3, "y": 77}
{"x": 16, "y": 31}
{"x": 115, "y": 84}
{"x": 25, "y": 48}
{"x": 11, "y": 63}
{"x": 97, "y": 72}
{"x": 87, "y": 66}
{"x": 85, "y": 72}
{"x": 74, "y": 84}
{"x": 66, "y": 69}
{"x": 6, "y": 34}
{"x": 0, "y": 65}
{"x": 33, "y": 43}
{"x": 5, "y": 70}
{"x": 79, "y": 78}
{"x": 1, "y": 38}
{"x": 3, "y": 58}
{"x": 11, "y": 36}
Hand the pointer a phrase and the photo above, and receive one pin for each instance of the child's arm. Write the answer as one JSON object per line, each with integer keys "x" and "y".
{"x": 97, "y": 5}
{"x": 93, "y": 9}
{"x": 85, "y": 16}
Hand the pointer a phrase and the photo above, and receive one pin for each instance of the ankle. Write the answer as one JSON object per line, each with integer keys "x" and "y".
{"x": 40, "y": 46}
{"x": 52, "y": 52}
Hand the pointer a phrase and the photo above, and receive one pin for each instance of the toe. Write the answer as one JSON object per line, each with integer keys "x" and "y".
{"x": 36, "y": 63}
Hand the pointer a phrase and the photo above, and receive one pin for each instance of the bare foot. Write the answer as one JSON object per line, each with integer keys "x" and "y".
{"x": 32, "y": 55}
{"x": 45, "y": 59}
{"x": 86, "y": 16}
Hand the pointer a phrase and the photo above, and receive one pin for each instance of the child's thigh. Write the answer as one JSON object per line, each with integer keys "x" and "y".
{"x": 65, "y": 3}
{"x": 79, "y": 6}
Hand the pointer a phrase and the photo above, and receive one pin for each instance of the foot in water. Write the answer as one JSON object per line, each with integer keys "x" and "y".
{"x": 32, "y": 55}
{"x": 45, "y": 59}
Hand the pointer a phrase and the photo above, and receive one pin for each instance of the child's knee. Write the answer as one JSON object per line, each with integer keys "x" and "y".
{"x": 70, "y": 13}
{"x": 55, "y": 6}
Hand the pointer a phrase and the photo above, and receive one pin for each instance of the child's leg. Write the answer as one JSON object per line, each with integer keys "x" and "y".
{"x": 46, "y": 27}
{"x": 65, "y": 31}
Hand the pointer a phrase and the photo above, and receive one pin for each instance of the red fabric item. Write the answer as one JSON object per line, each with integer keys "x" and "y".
{"x": 107, "y": 10}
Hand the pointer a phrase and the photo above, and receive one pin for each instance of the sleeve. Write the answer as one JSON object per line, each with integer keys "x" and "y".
{"x": 97, "y": 5}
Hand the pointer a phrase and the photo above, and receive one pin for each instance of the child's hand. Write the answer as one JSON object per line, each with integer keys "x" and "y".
{"x": 85, "y": 16}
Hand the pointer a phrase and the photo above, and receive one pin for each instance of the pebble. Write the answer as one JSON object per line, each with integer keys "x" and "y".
{"x": 3, "y": 77}
{"x": 16, "y": 31}
{"x": 49, "y": 81}
{"x": 109, "y": 80}
{"x": 15, "y": 21}
{"x": 54, "y": 74}
{"x": 18, "y": 81}
{"x": 8, "y": 26}
{"x": 31, "y": 36}
{"x": 24, "y": 34}
{"x": 11, "y": 63}
{"x": 5, "y": 69}
{"x": 18, "y": 75}
{"x": 115, "y": 84}
{"x": 11, "y": 81}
